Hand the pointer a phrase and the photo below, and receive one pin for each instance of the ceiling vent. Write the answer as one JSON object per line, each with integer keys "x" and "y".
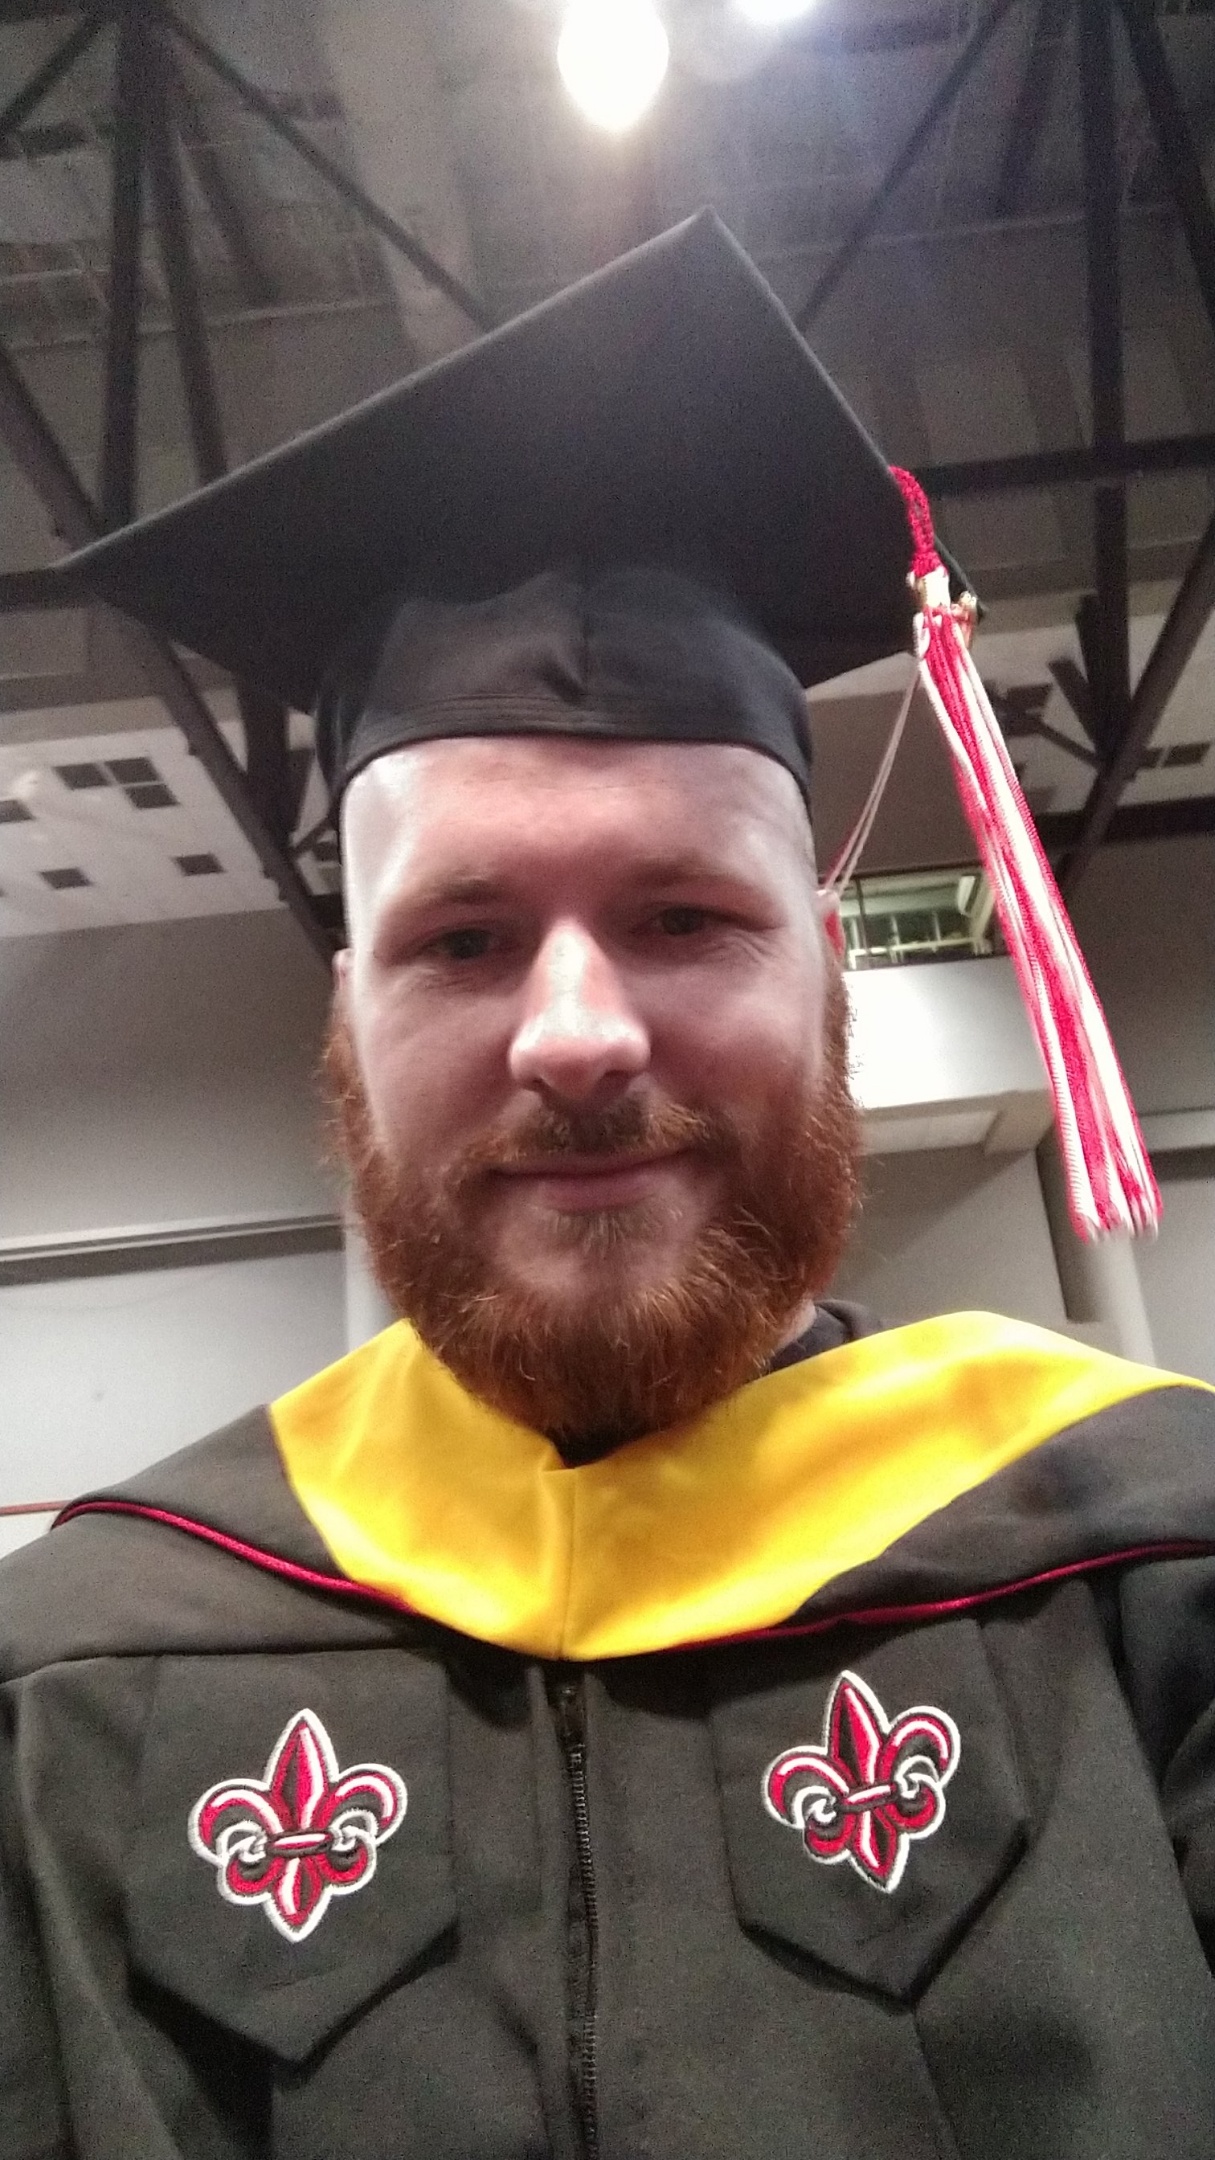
{"x": 82, "y": 776}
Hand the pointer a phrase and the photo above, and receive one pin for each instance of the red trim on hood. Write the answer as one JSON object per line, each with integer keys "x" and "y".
{"x": 272, "y": 1563}
{"x": 942, "y": 1608}
{"x": 868, "y": 1616}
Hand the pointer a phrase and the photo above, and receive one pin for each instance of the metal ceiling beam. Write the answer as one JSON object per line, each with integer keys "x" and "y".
{"x": 120, "y": 420}
{"x": 181, "y": 275}
{"x": 258, "y": 286}
{"x": 22, "y": 11}
{"x": 1183, "y": 626}
{"x": 1081, "y": 467}
{"x": 32, "y": 589}
{"x": 43, "y": 80}
{"x": 934, "y": 112}
{"x": 1182, "y": 168}
{"x": 1030, "y": 110}
{"x": 268, "y": 770}
{"x": 1073, "y": 683}
{"x": 276, "y": 780}
{"x": 35, "y": 449}
{"x": 1103, "y": 619}
{"x": 426, "y": 264}
{"x": 1195, "y": 599}
{"x": 1175, "y": 818}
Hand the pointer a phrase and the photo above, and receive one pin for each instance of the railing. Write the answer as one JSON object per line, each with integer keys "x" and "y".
{"x": 918, "y": 915}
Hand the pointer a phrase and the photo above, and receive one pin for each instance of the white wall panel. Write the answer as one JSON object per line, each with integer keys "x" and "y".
{"x": 107, "y": 1373}
{"x": 160, "y": 1072}
{"x": 950, "y": 1231}
{"x": 1178, "y": 1271}
{"x": 1146, "y": 920}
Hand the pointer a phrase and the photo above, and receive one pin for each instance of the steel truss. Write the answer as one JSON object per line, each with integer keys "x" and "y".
{"x": 1120, "y": 723}
{"x": 155, "y": 128}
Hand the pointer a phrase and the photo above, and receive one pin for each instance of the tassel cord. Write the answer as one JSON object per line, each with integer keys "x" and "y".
{"x": 1109, "y": 1178}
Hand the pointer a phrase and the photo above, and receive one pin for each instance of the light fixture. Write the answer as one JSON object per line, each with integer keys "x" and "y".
{"x": 767, "y": 14}
{"x": 613, "y": 55}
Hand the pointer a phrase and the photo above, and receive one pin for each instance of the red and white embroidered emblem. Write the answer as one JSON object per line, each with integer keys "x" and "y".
{"x": 873, "y": 1785}
{"x": 303, "y": 1833}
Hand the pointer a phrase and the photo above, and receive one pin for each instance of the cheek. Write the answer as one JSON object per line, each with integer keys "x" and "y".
{"x": 747, "y": 1041}
{"x": 429, "y": 1083}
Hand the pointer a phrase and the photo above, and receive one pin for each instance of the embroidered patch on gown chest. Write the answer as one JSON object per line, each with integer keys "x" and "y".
{"x": 869, "y": 1813}
{"x": 302, "y": 1833}
{"x": 873, "y": 1785}
{"x": 279, "y": 1876}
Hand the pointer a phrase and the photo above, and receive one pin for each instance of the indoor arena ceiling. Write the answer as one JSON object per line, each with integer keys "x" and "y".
{"x": 958, "y": 328}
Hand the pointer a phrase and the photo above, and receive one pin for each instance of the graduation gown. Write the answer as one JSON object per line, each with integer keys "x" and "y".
{"x": 835, "y": 1776}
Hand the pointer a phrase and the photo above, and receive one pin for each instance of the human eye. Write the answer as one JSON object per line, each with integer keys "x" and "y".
{"x": 683, "y": 921}
{"x": 471, "y": 942}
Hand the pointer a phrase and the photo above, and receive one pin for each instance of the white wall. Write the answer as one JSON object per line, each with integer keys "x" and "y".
{"x": 953, "y": 1229}
{"x": 1145, "y": 915}
{"x": 1178, "y": 1270}
{"x": 156, "y": 1075}
{"x": 106, "y": 1373}
{"x": 1146, "y": 918}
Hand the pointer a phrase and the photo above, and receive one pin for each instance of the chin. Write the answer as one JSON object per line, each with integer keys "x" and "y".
{"x": 612, "y": 1249}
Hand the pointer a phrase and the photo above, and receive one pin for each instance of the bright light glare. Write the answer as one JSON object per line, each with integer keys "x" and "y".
{"x": 767, "y": 13}
{"x": 612, "y": 55}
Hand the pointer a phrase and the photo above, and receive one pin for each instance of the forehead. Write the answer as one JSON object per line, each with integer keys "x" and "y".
{"x": 508, "y": 799}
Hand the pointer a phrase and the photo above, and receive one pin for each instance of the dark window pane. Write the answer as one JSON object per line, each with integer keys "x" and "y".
{"x": 198, "y": 865}
{"x": 154, "y": 795}
{"x": 82, "y": 776}
{"x": 63, "y": 880}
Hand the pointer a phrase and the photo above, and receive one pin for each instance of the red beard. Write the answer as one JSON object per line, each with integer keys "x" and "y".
{"x": 621, "y": 1360}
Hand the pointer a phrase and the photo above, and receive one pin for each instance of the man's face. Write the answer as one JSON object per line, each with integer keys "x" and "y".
{"x": 588, "y": 1053}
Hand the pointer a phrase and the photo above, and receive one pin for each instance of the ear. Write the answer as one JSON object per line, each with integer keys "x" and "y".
{"x": 833, "y": 925}
{"x": 341, "y": 975}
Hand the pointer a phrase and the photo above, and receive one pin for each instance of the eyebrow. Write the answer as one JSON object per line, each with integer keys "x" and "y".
{"x": 466, "y": 889}
{"x": 477, "y": 889}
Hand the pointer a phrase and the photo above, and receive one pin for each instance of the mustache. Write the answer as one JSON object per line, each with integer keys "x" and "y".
{"x": 627, "y": 1127}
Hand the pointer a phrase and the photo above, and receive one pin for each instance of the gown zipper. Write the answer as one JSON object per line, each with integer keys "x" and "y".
{"x": 570, "y": 1718}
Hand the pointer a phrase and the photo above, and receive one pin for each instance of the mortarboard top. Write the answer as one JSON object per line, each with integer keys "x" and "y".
{"x": 663, "y": 410}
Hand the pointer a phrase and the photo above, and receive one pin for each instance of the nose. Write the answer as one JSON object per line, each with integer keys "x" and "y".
{"x": 579, "y": 1031}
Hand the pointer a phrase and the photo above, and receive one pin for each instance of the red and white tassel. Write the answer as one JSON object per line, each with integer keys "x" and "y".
{"x": 1110, "y": 1186}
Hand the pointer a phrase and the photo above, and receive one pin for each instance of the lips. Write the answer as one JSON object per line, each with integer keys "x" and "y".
{"x": 576, "y": 1182}
{"x": 587, "y": 1166}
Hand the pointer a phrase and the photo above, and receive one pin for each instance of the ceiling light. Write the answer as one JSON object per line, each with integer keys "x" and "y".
{"x": 612, "y": 55}
{"x": 767, "y": 13}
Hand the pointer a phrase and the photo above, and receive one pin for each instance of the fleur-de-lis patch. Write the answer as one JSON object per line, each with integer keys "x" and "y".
{"x": 301, "y": 1834}
{"x": 871, "y": 1787}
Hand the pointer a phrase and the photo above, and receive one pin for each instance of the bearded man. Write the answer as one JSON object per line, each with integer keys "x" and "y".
{"x": 632, "y": 1707}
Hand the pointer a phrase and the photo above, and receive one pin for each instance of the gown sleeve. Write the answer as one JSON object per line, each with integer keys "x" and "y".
{"x": 33, "y": 2111}
{"x": 1165, "y": 1641}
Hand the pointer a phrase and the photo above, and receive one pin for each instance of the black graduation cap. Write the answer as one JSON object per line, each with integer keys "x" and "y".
{"x": 664, "y": 411}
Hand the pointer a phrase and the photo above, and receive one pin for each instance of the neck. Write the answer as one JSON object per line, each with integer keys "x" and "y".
{"x": 801, "y": 1323}
{"x": 575, "y": 1449}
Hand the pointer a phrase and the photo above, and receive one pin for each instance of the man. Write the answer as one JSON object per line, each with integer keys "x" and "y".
{"x": 629, "y": 1708}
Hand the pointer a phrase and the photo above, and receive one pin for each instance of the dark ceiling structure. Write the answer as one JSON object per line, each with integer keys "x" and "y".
{"x": 167, "y": 172}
